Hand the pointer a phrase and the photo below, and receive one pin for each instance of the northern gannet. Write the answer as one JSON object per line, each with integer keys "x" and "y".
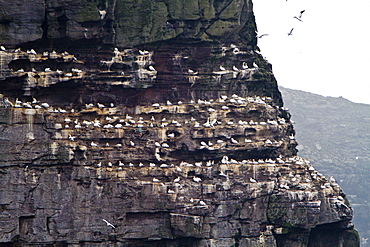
{"x": 291, "y": 32}
{"x": 102, "y": 14}
{"x": 109, "y": 224}
{"x": 202, "y": 203}
{"x": 260, "y": 36}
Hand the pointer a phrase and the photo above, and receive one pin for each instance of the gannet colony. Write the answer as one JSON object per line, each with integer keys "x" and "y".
{"x": 167, "y": 133}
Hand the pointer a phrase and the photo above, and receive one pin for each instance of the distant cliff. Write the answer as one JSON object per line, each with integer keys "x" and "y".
{"x": 141, "y": 123}
{"x": 328, "y": 126}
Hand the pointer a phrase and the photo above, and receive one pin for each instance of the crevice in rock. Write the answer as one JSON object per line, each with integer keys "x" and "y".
{"x": 45, "y": 26}
{"x": 62, "y": 25}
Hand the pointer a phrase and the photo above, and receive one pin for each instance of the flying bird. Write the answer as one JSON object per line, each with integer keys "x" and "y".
{"x": 291, "y": 32}
{"x": 109, "y": 224}
{"x": 260, "y": 36}
{"x": 299, "y": 18}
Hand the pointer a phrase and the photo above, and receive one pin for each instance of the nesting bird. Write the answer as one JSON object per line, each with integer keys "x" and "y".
{"x": 234, "y": 141}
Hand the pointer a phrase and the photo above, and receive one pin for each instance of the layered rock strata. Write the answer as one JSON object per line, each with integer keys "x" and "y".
{"x": 141, "y": 123}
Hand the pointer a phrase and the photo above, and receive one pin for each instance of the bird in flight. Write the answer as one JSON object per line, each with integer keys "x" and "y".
{"x": 291, "y": 32}
{"x": 299, "y": 18}
{"x": 295, "y": 17}
{"x": 109, "y": 224}
{"x": 260, "y": 36}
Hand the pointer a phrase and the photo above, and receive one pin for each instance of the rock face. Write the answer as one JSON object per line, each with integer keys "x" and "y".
{"x": 142, "y": 123}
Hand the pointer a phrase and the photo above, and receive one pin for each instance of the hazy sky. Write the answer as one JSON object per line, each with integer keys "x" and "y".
{"x": 328, "y": 53}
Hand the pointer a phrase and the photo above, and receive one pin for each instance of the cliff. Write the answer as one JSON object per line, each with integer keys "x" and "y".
{"x": 141, "y": 123}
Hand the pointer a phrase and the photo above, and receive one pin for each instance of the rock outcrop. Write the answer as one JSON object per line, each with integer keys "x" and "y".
{"x": 142, "y": 123}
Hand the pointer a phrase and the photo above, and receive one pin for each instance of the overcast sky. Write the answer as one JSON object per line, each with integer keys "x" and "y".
{"x": 328, "y": 52}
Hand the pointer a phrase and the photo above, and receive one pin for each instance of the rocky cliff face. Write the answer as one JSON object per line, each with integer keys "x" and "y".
{"x": 141, "y": 123}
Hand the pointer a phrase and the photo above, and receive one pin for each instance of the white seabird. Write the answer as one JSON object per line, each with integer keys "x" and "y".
{"x": 109, "y": 224}
{"x": 225, "y": 160}
{"x": 202, "y": 203}
{"x": 234, "y": 141}
{"x": 102, "y": 14}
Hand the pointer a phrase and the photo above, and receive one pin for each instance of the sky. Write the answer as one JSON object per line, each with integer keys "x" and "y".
{"x": 328, "y": 52}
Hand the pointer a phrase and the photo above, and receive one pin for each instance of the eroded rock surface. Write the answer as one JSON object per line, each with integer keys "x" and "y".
{"x": 141, "y": 123}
